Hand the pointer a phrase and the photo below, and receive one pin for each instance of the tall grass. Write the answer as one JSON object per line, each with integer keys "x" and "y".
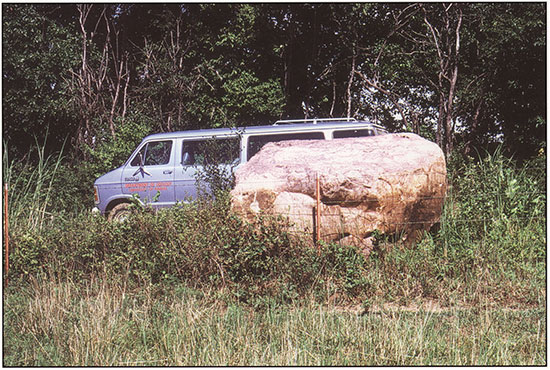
{"x": 491, "y": 245}
{"x": 30, "y": 187}
{"x": 104, "y": 324}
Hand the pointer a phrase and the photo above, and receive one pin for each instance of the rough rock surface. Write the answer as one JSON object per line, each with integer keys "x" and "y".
{"x": 393, "y": 183}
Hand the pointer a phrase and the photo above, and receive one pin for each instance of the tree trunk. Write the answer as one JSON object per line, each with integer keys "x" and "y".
{"x": 350, "y": 83}
{"x": 446, "y": 42}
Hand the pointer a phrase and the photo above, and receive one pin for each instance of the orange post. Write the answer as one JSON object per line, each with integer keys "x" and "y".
{"x": 6, "y": 230}
{"x": 318, "y": 211}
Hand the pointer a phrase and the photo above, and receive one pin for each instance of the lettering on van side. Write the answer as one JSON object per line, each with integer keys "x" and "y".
{"x": 144, "y": 186}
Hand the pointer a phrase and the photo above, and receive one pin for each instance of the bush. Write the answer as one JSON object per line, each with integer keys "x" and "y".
{"x": 74, "y": 182}
{"x": 492, "y": 235}
{"x": 202, "y": 244}
{"x": 490, "y": 203}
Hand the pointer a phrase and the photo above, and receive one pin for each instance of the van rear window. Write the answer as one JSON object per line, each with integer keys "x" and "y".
{"x": 212, "y": 151}
{"x": 256, "y": 142}
{"x": 352, "y": 133}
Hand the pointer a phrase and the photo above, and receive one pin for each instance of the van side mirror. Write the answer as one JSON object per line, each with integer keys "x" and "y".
{"x": 141, "y": 163}
{"x": 186, "y": 159}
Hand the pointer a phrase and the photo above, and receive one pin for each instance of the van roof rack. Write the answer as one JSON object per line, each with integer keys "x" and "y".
{"x": 314, "y": 120}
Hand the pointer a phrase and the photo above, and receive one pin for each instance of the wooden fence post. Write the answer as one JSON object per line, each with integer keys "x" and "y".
{"x": 6, "y": 229}
{"x": 318, "y": 213}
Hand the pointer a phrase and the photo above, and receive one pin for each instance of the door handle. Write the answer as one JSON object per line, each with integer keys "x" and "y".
{"x": 167, "y": 172}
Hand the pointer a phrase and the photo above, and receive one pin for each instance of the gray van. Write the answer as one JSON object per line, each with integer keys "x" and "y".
{"x": 163, "y": 169}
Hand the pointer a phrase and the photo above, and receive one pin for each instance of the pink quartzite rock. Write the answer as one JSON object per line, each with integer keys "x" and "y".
{"x": 393, "y": 183}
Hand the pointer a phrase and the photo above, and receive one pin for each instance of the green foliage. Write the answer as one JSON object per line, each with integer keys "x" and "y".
{"x": 112, "y": 152}
{"x": 170, "y": 67}
{"x": 215, "y": 163}
{"x": 504, "y": 52}
{"x": 202, "y": 244}
{"x": 74, "y": 182}
{"x": 492, "y": 231}
{"x": 346, "y": 268}
{"x": 37, "y": 55}
{"x": 247, "y": 99}
{"x": 492, "y": 198}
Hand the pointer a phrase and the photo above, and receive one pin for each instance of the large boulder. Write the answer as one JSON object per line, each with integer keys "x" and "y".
{"x": 392, "y": 183}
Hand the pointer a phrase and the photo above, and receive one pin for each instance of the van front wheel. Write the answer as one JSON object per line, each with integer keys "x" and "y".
{"x": 120, "y": 212}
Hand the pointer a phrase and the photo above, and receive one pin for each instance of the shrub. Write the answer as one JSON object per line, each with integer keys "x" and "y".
{"x": 202, "y": 244}
{"x": 492, "y": 235}
{"x": 491, "y": 201}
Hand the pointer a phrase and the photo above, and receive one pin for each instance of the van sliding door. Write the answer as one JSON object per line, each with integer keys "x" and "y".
{"x": 206, "y": 164}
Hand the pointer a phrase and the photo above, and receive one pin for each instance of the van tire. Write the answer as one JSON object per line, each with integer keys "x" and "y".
{"x": 120, "y": 212}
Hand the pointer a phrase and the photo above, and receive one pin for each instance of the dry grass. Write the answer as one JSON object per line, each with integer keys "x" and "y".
{"x": 58, "y": 324}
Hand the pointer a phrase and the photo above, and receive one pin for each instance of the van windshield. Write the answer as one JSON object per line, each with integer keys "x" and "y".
{"x": 154, "y": 153}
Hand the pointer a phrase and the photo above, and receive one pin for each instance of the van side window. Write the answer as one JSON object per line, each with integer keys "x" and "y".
{"x": 201, "y": 152}
{"x": 256, "y": 142}
{"x": 352, "y": 133}
{"x": 155, "y": 153}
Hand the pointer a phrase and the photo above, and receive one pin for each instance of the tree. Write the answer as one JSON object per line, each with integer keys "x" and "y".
{"x": 462, "y": 73}
{"x": 36, "y": 54}
{"x": 440, "y": 39}
{"x": 503, "y": 97}
{"x": 208, "y": 69}
{"x": 99, "y": 86}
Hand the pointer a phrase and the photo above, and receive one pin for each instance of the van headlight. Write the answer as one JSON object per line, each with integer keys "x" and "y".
{"x": 96, "y": 194}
